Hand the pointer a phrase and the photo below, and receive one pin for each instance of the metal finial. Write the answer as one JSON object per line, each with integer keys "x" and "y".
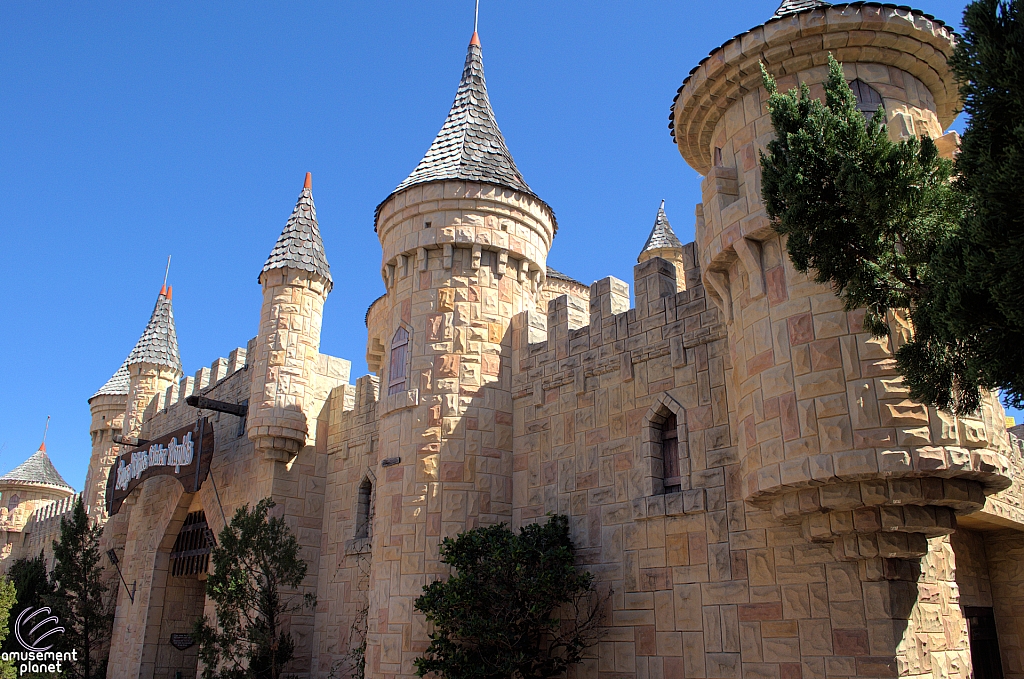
{"x": 46, "y": 429}
{"x": 476, "y": 16}
{"x": 167, "y": 270}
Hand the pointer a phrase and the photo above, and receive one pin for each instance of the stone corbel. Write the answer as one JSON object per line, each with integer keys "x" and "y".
{"x": 389, "y": 279}
{"x": 401, "y": 262}
{"x": 477, "y": 253}
{"x": 421, "y": 259}
{"x": 502, "y": 262}
{"x": 524, "y": 271}
{"x": 448, "y": 252}
{"x": 717, "y": 284}
{"x": 750, "y": 258}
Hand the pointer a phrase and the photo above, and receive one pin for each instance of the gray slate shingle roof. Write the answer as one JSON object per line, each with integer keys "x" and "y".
{"x": 469, "y": 146}
{"x": 794, "y": 6}
{"x": 117, "y": 385}
{"x": 559, "y": 276}
{"x": 37, "y": 469}
{"x": 662, "y": 235}
{"x": 159, "y": 341}
{"x": 300, "y": 245}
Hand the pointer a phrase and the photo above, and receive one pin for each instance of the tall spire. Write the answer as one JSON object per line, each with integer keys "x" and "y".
{"x": 662, "y": 236}
{"x": 300, "y": 246}
{"x": 159, "y": 341}
{"x": 469, "y": 146}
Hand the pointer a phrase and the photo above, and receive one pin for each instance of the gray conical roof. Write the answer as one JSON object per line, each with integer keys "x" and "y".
{"x": 469, "y": 146}
{"x": 117, "y": 385}
{"x": 794, "y": 6}
{"x": 662, "y": 235}
{"x": 37, "y": 469}
{"x": 300, "y": 246}
{"x": 159, "y": 341}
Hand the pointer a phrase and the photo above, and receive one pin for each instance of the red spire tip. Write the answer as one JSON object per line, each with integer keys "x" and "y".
{"x": 309, "y": 181}
{"x": 475, "y": 40}
{"x": 163, "y": 290}
{"x": 169, "y": 291}
{"x": 42, "y": 446}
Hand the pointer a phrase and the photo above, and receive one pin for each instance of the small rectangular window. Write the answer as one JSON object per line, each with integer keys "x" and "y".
{"x": 396, "y": 368}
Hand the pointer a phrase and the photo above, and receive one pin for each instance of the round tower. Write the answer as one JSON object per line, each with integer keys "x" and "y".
{"x": 664, "y": 243}
{"x": 153, "y": 365}
{"x": 296, "y": 280}
{"x": 465, "y": 244}
{"x": 828, "y": 440}
{"x": 107, "y": 407}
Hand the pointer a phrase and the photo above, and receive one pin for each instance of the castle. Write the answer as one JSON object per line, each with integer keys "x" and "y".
{"x": 740, "y": 462}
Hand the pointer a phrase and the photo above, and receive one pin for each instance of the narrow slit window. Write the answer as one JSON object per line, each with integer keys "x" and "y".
{"x": 364, "y": 510}
{"x": 396, "y": 370}
{"x": 670, "y": 455}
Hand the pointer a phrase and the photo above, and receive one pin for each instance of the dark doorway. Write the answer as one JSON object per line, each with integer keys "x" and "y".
{"x": 981, "y": 628}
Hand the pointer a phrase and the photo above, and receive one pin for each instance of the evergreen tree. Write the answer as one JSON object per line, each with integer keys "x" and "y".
{"x": 7, "y": 603}
{"x": 971, "y": 324}
{"x": 81, "y": 596}
{"x": 884, "y": 224}
{"x": 255, "y": 561}
{"x": 517, "y": 607}
{"x": 32, "y": 590}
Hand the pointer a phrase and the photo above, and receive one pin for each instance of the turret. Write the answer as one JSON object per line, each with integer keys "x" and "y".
{"x": 465, "y": 243}
{"x": 664, "y": 243}
{"x": 153, "y": 365}
{"x": 107, "y": 408}
{"x": 296, "y": 280}
{"x": 827, "y": 439}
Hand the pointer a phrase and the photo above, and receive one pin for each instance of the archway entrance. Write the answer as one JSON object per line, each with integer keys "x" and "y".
{"x": 184, "y": 598}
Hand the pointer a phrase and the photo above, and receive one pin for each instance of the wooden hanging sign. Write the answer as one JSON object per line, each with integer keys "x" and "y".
{"x": 183, "y": 453}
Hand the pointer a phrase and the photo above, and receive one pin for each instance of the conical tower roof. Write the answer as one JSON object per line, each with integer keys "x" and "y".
{"x": 159, "y": 341}
{"x": 662, "y": 235}
{"x": 794, "y": 6}
{"x": 37, "y": 469}
{"x": 117, "y": 385}
{"x": 300, "y": 246}
{"x": 470, "y": 146}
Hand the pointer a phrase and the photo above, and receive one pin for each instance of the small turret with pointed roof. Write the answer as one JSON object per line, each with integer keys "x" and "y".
{"x": 153, "y": 364}
{"x": 296, "y": 280}
{"x": 663, "y": 242}
{"x": 300, "y": 246}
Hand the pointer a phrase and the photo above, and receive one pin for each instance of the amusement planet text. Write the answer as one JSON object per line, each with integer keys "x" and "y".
{"x": 174, "y": 454}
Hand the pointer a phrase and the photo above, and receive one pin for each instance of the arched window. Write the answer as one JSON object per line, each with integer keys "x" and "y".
{"x": 396, "y": 369}
{"x": 868, "y": 99}
{"x": 12, "y": 504}
{"x": 670, "y": 454}
{"x": 364, "y": 510}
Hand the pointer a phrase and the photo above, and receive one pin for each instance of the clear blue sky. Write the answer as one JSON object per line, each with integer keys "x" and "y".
{"x": 129, "y": 132}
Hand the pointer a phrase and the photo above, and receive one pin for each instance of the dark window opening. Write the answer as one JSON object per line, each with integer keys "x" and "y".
{"x": 364, "y": 510}
{"x": 670, "y": 455}
{"x": 981, "y": 629}
{"x": 868, "y": 98}
{"x": 191, "y": 552}
{"x": 396, "y": 370}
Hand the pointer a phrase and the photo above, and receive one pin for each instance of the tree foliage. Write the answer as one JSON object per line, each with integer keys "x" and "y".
{"x": 516, "y": 607}
{"x": 8, "y": 593}
{"x": 255, "y": 564}
{"x": 888, "y": 227}
{"x": 32, "y": 588}
{"x": 81, "y": 596}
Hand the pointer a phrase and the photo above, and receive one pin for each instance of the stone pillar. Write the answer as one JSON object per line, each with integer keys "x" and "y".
{"x": 460, "y": 260}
